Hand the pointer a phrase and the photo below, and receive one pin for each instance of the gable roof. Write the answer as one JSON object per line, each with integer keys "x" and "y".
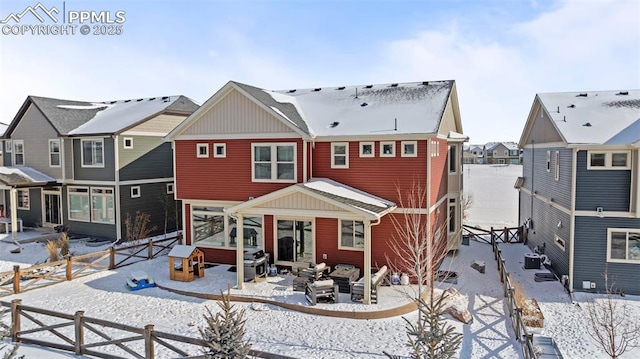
{"x": 23, "y": 176}
{"x": 77, "y": 118}
{"x": 598, "y": 117}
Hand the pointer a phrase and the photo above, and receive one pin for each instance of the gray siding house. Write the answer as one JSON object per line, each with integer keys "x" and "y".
{"x": 580, "y": 190}
{"x": 501, "y": 153}
{"x": 104, "y": 162}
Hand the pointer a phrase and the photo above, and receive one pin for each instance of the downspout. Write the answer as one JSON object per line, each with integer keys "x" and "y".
{"x": 572, "y": 222}
{"x": 313, "y": 145}
{"x": 304, "y": 160}
{"x": 116, "y": 144}
{"x": 367, "y": 259}
{"x": 239, "y": 251}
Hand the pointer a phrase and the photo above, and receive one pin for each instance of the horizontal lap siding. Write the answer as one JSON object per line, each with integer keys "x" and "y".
{"x": 535, "y": 173}
{"x": 440, "y": 172}
{"x": 149, "y": 158}
{"x": 153, "y": 201}
{"x": 31, "y": 217}
{"x": 106, "y": 173}
{"x": 226, "y": 178}
{"x": 609, "y": 189}
{"x": 88, "y": 229}
{"x": 591, "y": 255}
{"x": 327, "y": 243}
{"x": 377, "y": 175}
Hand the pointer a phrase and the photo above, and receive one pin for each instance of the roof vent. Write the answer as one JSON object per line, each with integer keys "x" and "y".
{"x": 151, "y": 99}
{"x": 425, "y": 83}
{"x": 140, "y": 99}
{"x": 291, "y": 91}
{"x": 165, "y": 97}
{"x": 625, "y": 93}
{"x": 393, "y": 85}
{"x": 340, "y": 88}
{"x": 334, "y": 124}
{"x": 368, "y": 86}
{"x": 112, "y": 102}
{"x": 363, "y": 104}
{"x": 584, "y": 94}
{"x": 572, "y": 106}
{"x": 588, "y": 124}
{"x": 127, "y": 100}
{"x": 317, "y": 89}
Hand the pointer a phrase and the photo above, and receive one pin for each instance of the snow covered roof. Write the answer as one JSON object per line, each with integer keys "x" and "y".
{"x": 348, "y": 195}
{"x": 181, "y": 251}
{"x": 403, "y": 108}
{"x": 22, "y": 176}
{"x": 76, "y": 118}
{"x": 600, "y": 117}
{"x": 509, "y": 145}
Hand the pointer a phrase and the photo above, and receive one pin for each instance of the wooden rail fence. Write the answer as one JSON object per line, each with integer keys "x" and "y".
{"x": 84, "y": 335}
{"x": 505, "y": 234}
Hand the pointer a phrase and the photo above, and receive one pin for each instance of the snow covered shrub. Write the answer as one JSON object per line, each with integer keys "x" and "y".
{"x": 225, "y": 331}
{"x": 63, "y": 244}
{"x": 52, "y": 249}
{"x": 531, "y": 313}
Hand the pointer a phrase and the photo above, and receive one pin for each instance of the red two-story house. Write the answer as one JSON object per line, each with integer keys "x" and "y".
{"x": 312, "y": 175}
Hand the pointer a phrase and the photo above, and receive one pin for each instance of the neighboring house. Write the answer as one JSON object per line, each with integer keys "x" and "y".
{"x": 103, "y": 162}
{"x": 474, "y": 154}
{"x": 501, "y": 153}
{"x": 580, "y": 190}
{"x": 310, "y": 175}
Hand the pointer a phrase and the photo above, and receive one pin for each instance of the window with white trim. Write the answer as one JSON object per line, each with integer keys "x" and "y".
{"x": 135, "y": 192}
{"x": 409, "y": 148}
{"x": 102, "y": 208}
{"x": 78, "y": 198}
{"x": 367, "y": 149}
{"x": 8, "y": 146}
{"x": 559, "y": 242}
{"x": 169, "y": 188}
{"x": 273, "y": 162}
{"x": 202, "y": 150}
{"x": 608, "y": 160}
{"x": 435, "y": 148}
{"x": 127, "y": 143}
{"x": 213, "y": 228}
{"x": 453, "y": 159}
{"x": 340, "y": 155}
{"x": 219, "y": 150}
{"x": 54, "y": 153}
{"x": 623, "y": 245}
{"x": 556, "y": 164}
{"x": 351, "y": 235}
{"x": 388, "y": 149}
{"x": 18, "y": 152}
{"x": 548, "y": 161}
{"x": 452, "y": 215}
{"x": 23, "y": 199}
{"x": 92, "y": 153}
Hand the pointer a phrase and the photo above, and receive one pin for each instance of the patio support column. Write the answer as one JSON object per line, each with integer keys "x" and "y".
{"x": 239, "y": 251}
{"x": 367, "y": 262}
{"x": 14, "y": 215}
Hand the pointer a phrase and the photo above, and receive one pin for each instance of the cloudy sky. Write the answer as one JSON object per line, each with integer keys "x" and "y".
{"x": 500, "y": 52}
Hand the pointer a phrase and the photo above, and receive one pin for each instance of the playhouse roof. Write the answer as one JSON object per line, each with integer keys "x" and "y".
{"x": 182, "y": 251}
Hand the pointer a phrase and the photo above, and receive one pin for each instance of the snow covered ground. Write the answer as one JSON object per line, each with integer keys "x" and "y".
{"x": 104, "y": 295}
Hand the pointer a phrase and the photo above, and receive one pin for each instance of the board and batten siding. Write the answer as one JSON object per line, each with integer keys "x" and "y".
{"x": 36, "y": 131}
{"x": 548, "y": 222}
{"x": 591, "y": 255}
{"x": 236, "y": 114}
{"x": 88, "y": 229}
{"x": 153, "y": 201}
{"x": 534, "y": 171}
{"x": 106, "y": 173}
{"x": 149, "y": 158}
{"x": 609, "y": 189}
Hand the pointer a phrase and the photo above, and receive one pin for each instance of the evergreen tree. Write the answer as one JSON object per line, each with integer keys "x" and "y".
{"x": 225, "y": 331}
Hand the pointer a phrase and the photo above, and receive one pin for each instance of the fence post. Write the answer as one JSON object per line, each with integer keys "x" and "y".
{"x": 518, "y": 321}
{"x": 148, "y": 342}
{"x": 15, "y": 320}
{"x": 78, "y": 324}
{"x": 150, "y": 254}
{"x": 69, "y": 267}
{"x": 16, "y": 279}
{"x": 112, "y": 258}
{"x": 529, "y": 345}
{"x": 498, "y": 254}
{"x": 505, "y": 235}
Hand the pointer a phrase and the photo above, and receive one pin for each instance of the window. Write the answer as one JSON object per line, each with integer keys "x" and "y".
{"x": 557, "y": 165}
{"x": 79, "y": 204}
{"x": 8, "y": 146}
{"x": 54, "y": 153}
{"x": 623, "y": 245}
{"x": 366, "y": 149}
{"x": 435, "y": 148}
{"x": 169, "y": 188}
{"x": 212, "y": 227}
{"x": 23, "y": 199}
{"x": 135, "y": 192}
{"x": 219, "y": 150}
{"x": 128, "y": 143}
{"x": 202, "y": 150}
{"x": 92, "y": 153}
{"x": 274, "y": 162}
{"x": 351, "y": 234}
{"x": 102, "y": 210}
{"x": 610, "y": 160}
{"x": 409, "y": 148}
{"x": 340, "y": 155}
{"x": 453, "y": 160}
{"x": 18, "y": 152}
{"x": 559, "y": 242}
{"x": 452, "y": 215}
{"x": 387, "y": 149}
{"x": 548, "y": 161}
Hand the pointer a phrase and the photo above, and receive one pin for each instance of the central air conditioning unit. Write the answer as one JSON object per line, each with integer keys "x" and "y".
{"x": 532, "y": 261}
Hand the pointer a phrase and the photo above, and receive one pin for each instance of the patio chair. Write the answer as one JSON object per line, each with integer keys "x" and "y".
{"x": 322, "y": 290}
{"x": 316, "y": 272}
{"x": 357, "y": 288}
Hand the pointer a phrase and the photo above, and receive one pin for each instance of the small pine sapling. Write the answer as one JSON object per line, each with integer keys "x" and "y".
{"x": 225, "y": 331}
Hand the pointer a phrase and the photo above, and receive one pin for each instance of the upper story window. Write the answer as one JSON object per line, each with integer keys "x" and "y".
{"x": 340, "y": 155}
{"x": 452, "y": 215}
{"x": 127, "y": 143}
{"x": 548, "y": 161}
{"x": 202, "y": 150}
{"x": 93, "y": 153}
{"x": 453, "y": 159}
{"x": 367, "y": 149}
{"x": 169, "y": 188}
{"x": 54, "y": 153}
{"x": 8, "y": 146}
{"x": 388, "y": 149}
{"x": 18, "y": 152}
{"x": 556, "y": 164}
{"x": 409, "y": 148}
{"x": 435, "y": 148}
{"x": 219, "y": 150}
{"x": 608, "y": 160}
{"x": 623, "y": 245}
{"x": 273, "y": 162}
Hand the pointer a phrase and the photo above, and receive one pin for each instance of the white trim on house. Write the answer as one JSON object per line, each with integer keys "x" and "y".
{"x": 546, "y": 145}
{"x": 439, "y": 203}
{"x": 354, "y": 247}
{"x": 87, "y": 194}
{"x": 557, "y": 165}
{"x": 59, "y": 153}
{"x": 146, "y": 181}
{"x": 202, "y": 150}
{"x": 608, "y": 160}
{"x": 17, "y": 143}
{"x": 28, "y": 202}
{"x": 273, "y": 161}
{"x": 547, "y": 200}
{"x": 125, "y": 145}
{"x": 635, "y": 254}
{"x": 135, "y": 192}
{"x": 170, "y": 188}
{"x": 223, "y": 146}
{"x": 387, "y": 148}
{"x": 82, "y": 163}
{"x": 371, "y": 152}
{"x": 294, "y": 218}
{"x": 236, "y": 136}
{"x": 415, "y": 148}
{"x": 605, "y": 213}
{"x": 345, "y": 145}
{"x": 560, "y": 243}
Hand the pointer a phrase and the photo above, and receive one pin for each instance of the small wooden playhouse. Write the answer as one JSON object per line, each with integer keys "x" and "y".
{"x": 185, "y": 263}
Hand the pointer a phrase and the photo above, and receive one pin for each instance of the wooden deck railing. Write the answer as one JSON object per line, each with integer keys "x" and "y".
{"x": 83, "y": 335}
